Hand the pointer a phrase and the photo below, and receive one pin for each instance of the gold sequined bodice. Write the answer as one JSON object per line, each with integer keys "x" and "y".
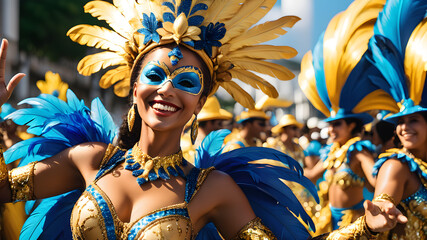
{"x": 94, "y": 216}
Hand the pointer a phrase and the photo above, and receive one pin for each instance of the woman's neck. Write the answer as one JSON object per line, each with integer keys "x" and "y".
{"x": 159, "y": 143}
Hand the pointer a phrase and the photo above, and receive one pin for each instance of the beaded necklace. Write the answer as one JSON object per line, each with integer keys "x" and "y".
{"x": 338, "y": 154}
{"x": 146, "y": 168}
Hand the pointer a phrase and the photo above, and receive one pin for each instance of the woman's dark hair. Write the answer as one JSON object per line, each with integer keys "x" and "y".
{"x": 127, "y": 139}
{"x": 424, "y": 115}
{"x": 359, "y": 125}
{"x": 385, "y": 130}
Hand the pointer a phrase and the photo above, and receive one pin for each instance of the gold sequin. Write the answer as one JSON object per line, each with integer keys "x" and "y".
{"x": 254, "y": 230}
{"x": 356, "y": 230}
{"x": 21, "y": 182}
{"x": 338, "y": 154}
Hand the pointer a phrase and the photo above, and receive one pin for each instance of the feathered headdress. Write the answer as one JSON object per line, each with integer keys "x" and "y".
{"x": 398, "y": 50}
{"x": 220, "y": 31}
{"x": 335, "y": 77}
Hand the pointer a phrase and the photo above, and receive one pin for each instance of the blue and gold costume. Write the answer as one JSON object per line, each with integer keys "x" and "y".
{"x": 338, "y": 172}
{"x": 94, "y": 215}
{"x": 415, "y": 206}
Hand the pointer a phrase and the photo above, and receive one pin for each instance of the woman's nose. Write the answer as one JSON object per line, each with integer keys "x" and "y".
{"x": 166, "y": 88}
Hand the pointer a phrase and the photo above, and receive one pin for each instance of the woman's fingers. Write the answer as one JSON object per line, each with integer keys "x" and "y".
{"x": 6, "y": 90}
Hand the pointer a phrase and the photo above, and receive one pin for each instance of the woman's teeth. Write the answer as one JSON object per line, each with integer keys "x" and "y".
{"x": 159, "y": 106}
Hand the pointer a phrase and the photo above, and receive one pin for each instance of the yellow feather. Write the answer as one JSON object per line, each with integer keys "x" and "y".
{"x": 307, "y": 83}
{"x": 376, "y": 100}
{"x": 255, "y": 81}
{"x": 341, "y": 30}
{"x": 251, "y": 11}
{"x": 262, "y": 32}
{"x": 122, "y": 88}
{"x": 95, "y": 62}
{"x": 108, "y": 12}
{"x": 354, "y": 51}
{"x": 98, "y": 37}
{"x": 416, "y": 61}
{"x": 260, "y": 66}
{"x": 221, "y": 10}
{"x": 240, "y": 95}
{"x": 264, "y": 52}
{"x": 114, "y": 75}
{"x": 129, "y": 9}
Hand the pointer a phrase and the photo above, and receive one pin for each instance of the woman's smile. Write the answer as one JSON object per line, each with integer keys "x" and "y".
{"x": 163, "y": 108}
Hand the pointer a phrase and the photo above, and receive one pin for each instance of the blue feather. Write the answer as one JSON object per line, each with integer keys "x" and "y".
{"x": 386, "y": 49}
{"x": 398, "y": 20}
{"x": 271, "y": 199}
{"x": 360, "y": 80}
{"x": 51, "y": 218}
{"x": 320, "y": 72}
{"x": 60, "y": 125}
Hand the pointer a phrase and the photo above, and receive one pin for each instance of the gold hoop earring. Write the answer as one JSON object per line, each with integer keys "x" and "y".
{"x": 194, "y": 130}
{"x": 131, "y": 117}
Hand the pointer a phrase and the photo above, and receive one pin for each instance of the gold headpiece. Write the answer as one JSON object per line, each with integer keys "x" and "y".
{"x": 220, "y": 31}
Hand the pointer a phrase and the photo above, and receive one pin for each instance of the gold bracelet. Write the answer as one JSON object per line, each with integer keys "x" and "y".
{"x": 3, "y": 167}
{"x": 384, "y": 196}
{"x": 21, "y": 182}
{"x": 255, "y": 230}
{"x": 357, "y": 230}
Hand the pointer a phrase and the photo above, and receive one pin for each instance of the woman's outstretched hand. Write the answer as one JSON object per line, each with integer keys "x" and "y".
{"x": 382, "y": 216}
{"x": 6, "y": 90}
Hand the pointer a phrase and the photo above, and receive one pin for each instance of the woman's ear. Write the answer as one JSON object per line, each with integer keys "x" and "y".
{"x": 200, "y": 104}
{"x": 134, "y": 91}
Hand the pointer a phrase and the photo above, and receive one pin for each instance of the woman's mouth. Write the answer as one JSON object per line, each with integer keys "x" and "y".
{"x": 164, "y": 108}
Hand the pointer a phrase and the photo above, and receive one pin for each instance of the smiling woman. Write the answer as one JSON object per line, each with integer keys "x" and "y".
{"x": 170, "y": 56}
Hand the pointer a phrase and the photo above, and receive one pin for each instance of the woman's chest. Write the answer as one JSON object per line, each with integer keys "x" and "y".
{"x": 95, "y": 217}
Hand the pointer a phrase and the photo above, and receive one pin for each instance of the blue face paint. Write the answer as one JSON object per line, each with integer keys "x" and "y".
{"x": 187, "y": 78}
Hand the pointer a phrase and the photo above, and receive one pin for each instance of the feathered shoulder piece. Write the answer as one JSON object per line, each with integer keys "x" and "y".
{"x": 398, "y": 51}
{"x": 59, "y": 125}
{"x": 334, "y": 77}
{"x": 260, "y": 173}
{"x": 415, "y": 164}
{"x": 222, "y": 32}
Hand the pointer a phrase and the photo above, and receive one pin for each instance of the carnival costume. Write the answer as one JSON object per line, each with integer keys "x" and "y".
{"x": 220, "y": 33}
{"x": 335, "y": 80}
{"x": 400, "y": 55}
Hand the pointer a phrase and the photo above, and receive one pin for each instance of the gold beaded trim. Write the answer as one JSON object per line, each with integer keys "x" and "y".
{"x": 149, "y": 163}
{"x": 3, "y": 167}
{"x": 338, "y": 154}
{"x": 21, "y": 182}
{"x": 385, "y": 196}
{"x": 357, "y": 230}
{"x": 255, "y": 230}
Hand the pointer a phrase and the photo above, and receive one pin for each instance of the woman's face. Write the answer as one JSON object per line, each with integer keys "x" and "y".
{"x": 291, "y": 131}
{"x": 412, "y": 131}
{"x": 167, "y": 96}
{"x": 340, "y": 131}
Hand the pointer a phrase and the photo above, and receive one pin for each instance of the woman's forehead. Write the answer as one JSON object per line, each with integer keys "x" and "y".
{"x": 160, "y": 54}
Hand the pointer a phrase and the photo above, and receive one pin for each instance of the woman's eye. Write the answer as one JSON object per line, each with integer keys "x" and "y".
{"x": 154, "y": 78}
{"x": 186, "y": 83}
